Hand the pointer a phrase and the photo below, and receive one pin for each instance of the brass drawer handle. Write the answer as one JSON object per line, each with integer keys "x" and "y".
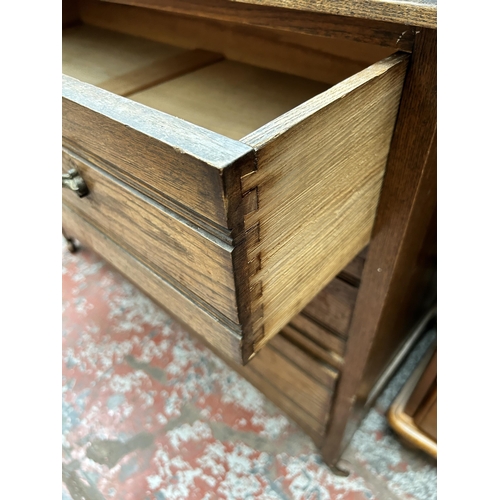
{"x": 74, "y": 181}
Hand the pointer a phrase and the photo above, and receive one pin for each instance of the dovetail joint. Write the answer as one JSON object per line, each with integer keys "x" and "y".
{"x": 250, "y": 200}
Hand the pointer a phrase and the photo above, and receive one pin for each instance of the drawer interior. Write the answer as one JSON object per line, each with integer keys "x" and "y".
{"x": 98, "y": 56}
{"x": 268, "y": 148}
{"x": 229, "y": 97}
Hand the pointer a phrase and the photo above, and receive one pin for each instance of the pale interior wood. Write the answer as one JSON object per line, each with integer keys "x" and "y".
{"x": 318, "y": 58}
{"x": 230, "y": 98}
{"x": 227, "y": 97}
{"x": 95, "y": 55}
{"x": 318, "y": 182}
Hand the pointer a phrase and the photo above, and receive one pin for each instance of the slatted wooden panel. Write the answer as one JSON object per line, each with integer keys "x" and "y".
{"x": 296, "y": 371}
{"x": 333, "y": 306}
{"x": 300, "y": 366}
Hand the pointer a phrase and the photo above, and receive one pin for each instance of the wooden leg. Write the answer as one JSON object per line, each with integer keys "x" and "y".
{"x": 70, "y": 242}
{"x": 393, "y": 282}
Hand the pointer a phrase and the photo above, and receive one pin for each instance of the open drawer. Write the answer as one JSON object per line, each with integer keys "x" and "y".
{"x": 243, "y": 189}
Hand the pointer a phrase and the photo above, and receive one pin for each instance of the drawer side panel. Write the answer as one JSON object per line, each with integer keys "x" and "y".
{"x": 319, "y": 173}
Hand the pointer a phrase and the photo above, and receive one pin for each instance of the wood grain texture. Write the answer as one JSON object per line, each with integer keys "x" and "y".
{"x": 297, "y": 385}
{"x": 307, "y": 422}
{"x": 242, "y": 303}
{"x": 320, "y": 333}
{"x": 230, "y": 98}
{"x": 321, "y": 372}
{"x": 95, "y": 55}
{"x": 353, "y": 271}
{"x": 398, "y": 36}
{"x": 124, "y": 64}
{"x": 179, "y": 161}
{"x": 390, "y": 293}
{"x": 221, "y": 338}
{"x": 256, "y": 192}
{"x": 298, "y": 54}
{"x": 302, "y": 340}
{"x": 318, "y": 187}
{"x": 333, "y": 306}
{"x": 289, "y": 400}
{"x": 160, "y": 71}
{"x": 180, "y": 252}
{"x": 296, "y": 366}
{"x": 412, "y": 12}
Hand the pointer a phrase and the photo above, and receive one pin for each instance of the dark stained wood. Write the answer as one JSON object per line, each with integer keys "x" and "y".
{"x": 215, "y": 336}
{"x": 353, "y": 271}
{"x": 333, "y": 306}
{"x": 187, "y": 257}
{"x": 70, "y": 15}
{"x": 203, "y": 187}
{"x": 413, "y": 12}
{"x": 319, "y": 371}
{"x": 393, "y": 35}
{"x": 306, "y": 344}
{"x": 319, "y": 333}
{"x": 317, "y": 58}
{"x": 178, "y": 160}
{"x": 224, "y": 190}
{"x": 128, "y": 141}
{"x": 414, "y": 288}
{"x": 219, "y": 336}
{"x": 386, "y": 302}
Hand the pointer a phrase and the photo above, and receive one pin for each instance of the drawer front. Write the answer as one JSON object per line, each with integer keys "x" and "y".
{"x": 181, "y": 163}
{"x": 216, "y": 333}
{"x": 250, "y": 230}
{"x": 186, "y": 256}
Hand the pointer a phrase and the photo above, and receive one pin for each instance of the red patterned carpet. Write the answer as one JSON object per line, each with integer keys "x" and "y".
{"x": 150, "y": 413}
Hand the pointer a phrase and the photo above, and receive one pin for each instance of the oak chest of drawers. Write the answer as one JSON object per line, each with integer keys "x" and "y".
{"x": 234, "y": 173}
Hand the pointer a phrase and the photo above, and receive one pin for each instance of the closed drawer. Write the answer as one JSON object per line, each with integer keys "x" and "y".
{"x": 189, "y": 257}
{"x": 246, "y": 189}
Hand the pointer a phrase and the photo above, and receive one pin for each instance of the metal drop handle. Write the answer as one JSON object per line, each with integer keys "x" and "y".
{"x": 74, "y": 181}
